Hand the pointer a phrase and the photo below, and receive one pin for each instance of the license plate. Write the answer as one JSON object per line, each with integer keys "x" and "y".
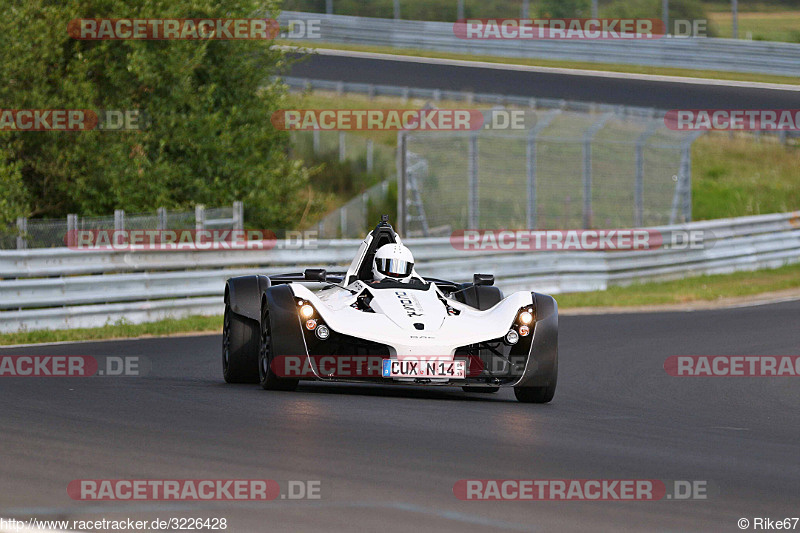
{"x": 410, "y": 368}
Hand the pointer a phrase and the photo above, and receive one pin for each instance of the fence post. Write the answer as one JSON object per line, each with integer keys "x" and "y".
{"x": 162, "y": 218}
{"x": 526, "y": 9}
{"x": 119, "y": 220}
{"x": 342, "y": 147}
{"x": 315, "y": 141}
{"x": 22, "y": 233}
{"x": 370, "y": 155}
{"x": 238, "y": 215}
{"x": 329, "y": 7}
{"x": 199, "y": 217}
{"x": 472, "y": 170}
{"x": 587, "y": 168}
{"x": 638, "y": 187}
{"x": 72, "y": 228}
{"x": 402, "y": 180}
{"x": 530, "y": 167}
{"x": 396, "y": 9}
{"x": 460, "y": 10}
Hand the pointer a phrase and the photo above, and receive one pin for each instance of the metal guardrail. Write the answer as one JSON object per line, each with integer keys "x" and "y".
{"x": 99, "y": 287}
{"x": 692, "y": 52}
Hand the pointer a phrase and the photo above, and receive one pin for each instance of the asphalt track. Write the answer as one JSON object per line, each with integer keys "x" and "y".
{"x": 610, "y": 90}
{"x": 387, "y": 458}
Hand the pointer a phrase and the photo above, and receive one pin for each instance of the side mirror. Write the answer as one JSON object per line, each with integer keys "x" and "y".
{"x": 315, "y": 274}
{"x": 483, "y": 279}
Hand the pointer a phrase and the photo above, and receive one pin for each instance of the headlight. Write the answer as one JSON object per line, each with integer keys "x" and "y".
{"x": 306, "y": 311}
{"x": 525, "y": 318}
{"x": 512, "y": 337}
{"x": 323, "y": 332}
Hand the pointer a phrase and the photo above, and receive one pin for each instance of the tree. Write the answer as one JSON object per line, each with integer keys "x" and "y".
{"x": 209, "y": 103}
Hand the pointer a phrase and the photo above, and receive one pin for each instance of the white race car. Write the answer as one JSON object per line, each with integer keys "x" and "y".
{"x": 381, "y": 322}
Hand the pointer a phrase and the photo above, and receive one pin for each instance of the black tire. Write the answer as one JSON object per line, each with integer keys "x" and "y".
{"x": 538, "y": 394}
{"x": 239, "y": 348}
{"x": 268, "y": 379}
{"x": 485, "y": 390}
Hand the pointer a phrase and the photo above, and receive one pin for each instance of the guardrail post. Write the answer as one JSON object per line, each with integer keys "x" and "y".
{"x": 370, "y": 155}
{"x": 472, "y": 170}
{"x": 665, "y": 15}
{"x": 460, "y": 10}
{"x": 342, "y": 147}
{"x": 315, "y": 141}
{"x": 162, "y": 218}
{"x": 199, "y": 217}
{"x": 72, "y": 228}
{"x": 22, "y": 233}
{"x": 329, "y": 7}
{"x": 402, "y": 180}
{"x": 526, "y": 9}
{"x": 396, "y": 9}
{"x": 119, "y": 220}
{"x": 238, "y": 215}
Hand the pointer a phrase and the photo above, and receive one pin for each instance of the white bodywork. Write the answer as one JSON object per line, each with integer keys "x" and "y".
{"x": 397, "y": 310}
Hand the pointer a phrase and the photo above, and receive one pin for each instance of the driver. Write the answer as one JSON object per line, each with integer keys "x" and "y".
{"x": 393, "y": 262}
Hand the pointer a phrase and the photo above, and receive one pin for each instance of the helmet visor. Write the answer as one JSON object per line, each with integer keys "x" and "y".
{"x": 395, "y": 268}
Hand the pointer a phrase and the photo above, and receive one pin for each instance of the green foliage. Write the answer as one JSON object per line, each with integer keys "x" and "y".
{"x": 210, "y": 139}
{"x": 13, "y": 198}
{"x": 564, "y": 8}
{"x": 678, "y": 10}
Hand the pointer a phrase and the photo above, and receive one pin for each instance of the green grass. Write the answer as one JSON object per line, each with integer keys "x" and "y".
{"x": 684, "y": 291}
{"x": 766, "y": 26}
{"x": 584, "y": 65}
{"x": 739, "y": 177}
{"x": 116, "y": 331}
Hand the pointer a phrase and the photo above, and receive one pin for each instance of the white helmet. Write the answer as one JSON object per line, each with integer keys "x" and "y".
{"x": 393, "y": 261}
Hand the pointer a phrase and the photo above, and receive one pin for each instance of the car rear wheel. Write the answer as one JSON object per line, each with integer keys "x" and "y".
{"x": 239, "y": 348}
{"x": 268, "y": 379}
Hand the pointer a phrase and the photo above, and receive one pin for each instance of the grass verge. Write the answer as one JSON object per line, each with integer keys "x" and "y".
{"x": 582, "y": 65}
{"x": 685, "y": 291}
{"x": 118, "y": 330}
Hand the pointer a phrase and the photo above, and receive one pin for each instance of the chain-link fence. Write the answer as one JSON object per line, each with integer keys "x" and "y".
{"x": 49, "y": 233}
{"x": 570, "y": 170}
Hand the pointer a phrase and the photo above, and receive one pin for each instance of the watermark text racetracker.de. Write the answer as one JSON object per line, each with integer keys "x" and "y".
{"x": 403, "y": 119}
{"x": 733, "y": 365}
{"x": 558, "y": 29}
{"x": 590, "y": 240}
{"x": 733, "y": 119}
{"x": 73, "y": 120}
{"x": 192, "y": 29}
{"x": 118, "y": 524}
{"x": 73, "y": 366}
{"x": 187, "y": 240}
{"x": 579, "y": 489}
{"x": 193, "y": 490}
